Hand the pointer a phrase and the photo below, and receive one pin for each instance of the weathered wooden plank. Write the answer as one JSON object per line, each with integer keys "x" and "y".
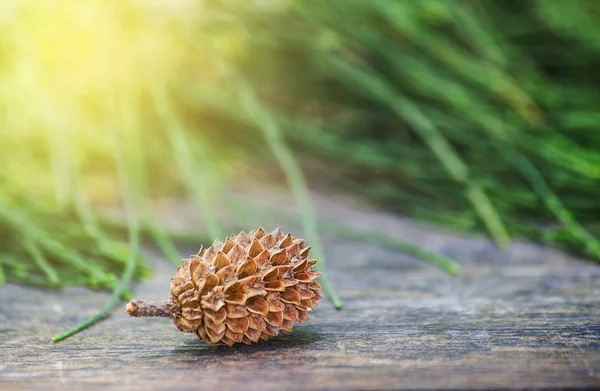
{"x": 524, "y": 318}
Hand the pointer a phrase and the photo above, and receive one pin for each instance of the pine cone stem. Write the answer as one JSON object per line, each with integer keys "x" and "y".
{"x": 140, "y": 308}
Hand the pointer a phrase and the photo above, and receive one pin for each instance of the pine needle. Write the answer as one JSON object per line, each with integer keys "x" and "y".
{"x": 193, "y": 176}
{"x": 386, "y": 241}
{"x": 39, "y": 258}
{"x": 140, "y": 181}
{"x": 554, "y": 204}
{"x": 296, "y": 180}
{"x": 438, "y": 144}
{"x": 374, "y": 237}
{"x": 134, "y": 246}
{"x": 284, "y": 156}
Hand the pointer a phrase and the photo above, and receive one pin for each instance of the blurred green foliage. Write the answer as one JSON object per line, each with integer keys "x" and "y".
{"x": 473, "y": 115}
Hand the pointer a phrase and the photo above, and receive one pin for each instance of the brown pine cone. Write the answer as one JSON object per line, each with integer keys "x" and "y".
{"x": 248, "y": 288}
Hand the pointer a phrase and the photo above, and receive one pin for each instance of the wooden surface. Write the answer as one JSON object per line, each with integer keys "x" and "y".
{"x": 524, "y": 318}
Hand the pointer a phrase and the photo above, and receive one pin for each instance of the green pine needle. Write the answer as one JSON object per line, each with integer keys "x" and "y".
{"x": 134, "y": 247}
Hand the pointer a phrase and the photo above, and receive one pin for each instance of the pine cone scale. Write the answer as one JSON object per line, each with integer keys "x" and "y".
{"x": 238, "y": 325}
{"x": 253, "y": 334}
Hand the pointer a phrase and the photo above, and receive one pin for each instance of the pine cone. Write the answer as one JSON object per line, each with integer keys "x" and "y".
{"x": 248, "y": 288}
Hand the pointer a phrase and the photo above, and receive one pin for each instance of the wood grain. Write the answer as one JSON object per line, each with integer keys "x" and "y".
{"x": 525, "y": 318}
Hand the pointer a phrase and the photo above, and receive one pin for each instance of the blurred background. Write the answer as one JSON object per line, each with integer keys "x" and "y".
{"x": 475, "y": 116}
